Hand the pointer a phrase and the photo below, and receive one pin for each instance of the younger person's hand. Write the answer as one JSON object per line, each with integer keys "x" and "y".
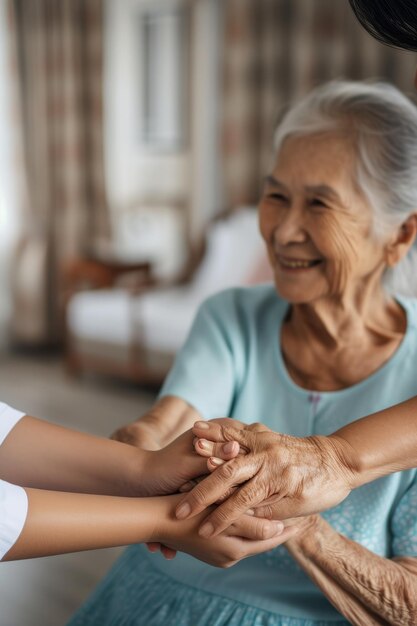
{"x": 166, "y": 470}
{"x": 169, "y": 469}
{"x": 246, "y": 537}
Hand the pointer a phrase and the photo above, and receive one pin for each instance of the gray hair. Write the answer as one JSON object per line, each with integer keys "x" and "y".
{"x": 383, "y": 125}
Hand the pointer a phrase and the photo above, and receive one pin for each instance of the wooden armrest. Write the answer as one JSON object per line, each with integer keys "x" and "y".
{"x": 92, "y": 274}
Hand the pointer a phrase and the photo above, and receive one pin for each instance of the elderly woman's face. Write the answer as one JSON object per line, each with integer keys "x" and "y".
{"x": 316, "y": 223}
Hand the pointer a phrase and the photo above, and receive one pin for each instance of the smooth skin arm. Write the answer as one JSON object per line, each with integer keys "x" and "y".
{"x": 61, "y": 469}
{"x": 66, "y": 522}
{"x": 42, "y": 455}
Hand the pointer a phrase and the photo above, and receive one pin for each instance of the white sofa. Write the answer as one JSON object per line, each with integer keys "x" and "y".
{"x": 115, "y": 331}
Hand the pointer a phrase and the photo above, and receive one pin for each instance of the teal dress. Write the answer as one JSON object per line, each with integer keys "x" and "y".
{"x": 231, "y": 365}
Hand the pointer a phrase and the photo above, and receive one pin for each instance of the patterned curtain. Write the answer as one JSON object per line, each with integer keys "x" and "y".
{"x": 59, "y": 61}
{"x": 275, "y": 51}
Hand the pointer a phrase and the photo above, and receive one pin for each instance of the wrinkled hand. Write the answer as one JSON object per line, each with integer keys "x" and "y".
{"x": 141, "y": 434}
{"x": 168, "y": 418}
{"x": 283, "y": 476}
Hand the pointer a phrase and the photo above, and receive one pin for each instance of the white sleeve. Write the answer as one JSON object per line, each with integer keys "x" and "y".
{"x": 8, "y": 419}
{"x": 13, "y": 512}
{"x": 13, "y": 499}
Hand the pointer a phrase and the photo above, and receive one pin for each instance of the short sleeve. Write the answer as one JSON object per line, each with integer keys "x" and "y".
{"x": 404, "y": 524}
{"x": 13, "y": 499}
{"x": 13, "y": 512}
{"x": 204, "y": 373}
{"x": 8, "y": 419}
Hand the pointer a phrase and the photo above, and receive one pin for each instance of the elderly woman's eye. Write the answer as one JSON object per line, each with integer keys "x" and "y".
{"x": 317, "y": 202}
{"x": 278, "y": 197}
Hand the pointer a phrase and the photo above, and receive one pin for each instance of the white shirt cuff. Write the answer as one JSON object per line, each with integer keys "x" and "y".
{"x": 13, "y": 513}
{"x": 8, "y": 419}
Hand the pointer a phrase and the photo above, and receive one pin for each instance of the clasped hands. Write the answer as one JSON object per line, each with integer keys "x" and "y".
{"x": 168, "y": 471}
{"x": 271, "y": 476}
{"x": 262, "y": 487}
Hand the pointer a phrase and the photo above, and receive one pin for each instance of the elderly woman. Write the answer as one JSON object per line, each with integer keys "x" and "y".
{"x": 321, "y": 476}
{"x": 332, "y": 341}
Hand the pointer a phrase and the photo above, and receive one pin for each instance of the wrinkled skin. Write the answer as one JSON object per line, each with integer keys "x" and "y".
{"x": 278, "y": 475}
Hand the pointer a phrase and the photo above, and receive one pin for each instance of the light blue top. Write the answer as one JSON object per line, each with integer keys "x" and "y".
{"x": 231, "y": 365}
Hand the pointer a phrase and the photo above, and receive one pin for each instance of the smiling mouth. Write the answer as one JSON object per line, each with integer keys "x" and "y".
{"x": 297, "y": 264}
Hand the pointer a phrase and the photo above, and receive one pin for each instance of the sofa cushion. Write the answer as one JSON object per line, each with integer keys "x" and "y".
{"x": 160, "y": 319}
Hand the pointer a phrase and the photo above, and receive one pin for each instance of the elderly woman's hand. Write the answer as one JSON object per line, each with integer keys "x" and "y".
{"x": 282, "y": 476}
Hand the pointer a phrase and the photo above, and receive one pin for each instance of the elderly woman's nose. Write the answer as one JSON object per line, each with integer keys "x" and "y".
{"x": 290, "y": 228}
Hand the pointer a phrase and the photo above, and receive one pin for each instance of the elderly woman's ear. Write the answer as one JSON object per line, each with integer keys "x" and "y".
{"x": 404, "y": 238}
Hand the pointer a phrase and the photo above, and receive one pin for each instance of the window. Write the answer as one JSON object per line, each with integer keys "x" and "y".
{"x": 11, "y": 178}
{"x": 162, "y": 99}
{"x": 163, "y": 88}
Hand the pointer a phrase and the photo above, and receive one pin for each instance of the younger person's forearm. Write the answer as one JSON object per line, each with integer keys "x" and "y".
{"x": 42, "y": 455}
{"x": 67, "y": 522}
{"x": 383, "y": 442}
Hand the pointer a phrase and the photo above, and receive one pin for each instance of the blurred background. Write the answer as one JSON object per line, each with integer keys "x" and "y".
{"x": 134, "y": 137}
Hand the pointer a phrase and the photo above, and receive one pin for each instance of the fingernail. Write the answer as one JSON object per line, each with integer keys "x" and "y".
{"x": 206, "y": 531}
{"x": 228, "y": 447}
{"x": 201, "y": 425}
{"x": 250, "y": 512}
{"x": 278, "y": 527}
{"x": 215, "y": 461}
{"x": 204, "y": 444}
{"x": 183, "y": 511}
